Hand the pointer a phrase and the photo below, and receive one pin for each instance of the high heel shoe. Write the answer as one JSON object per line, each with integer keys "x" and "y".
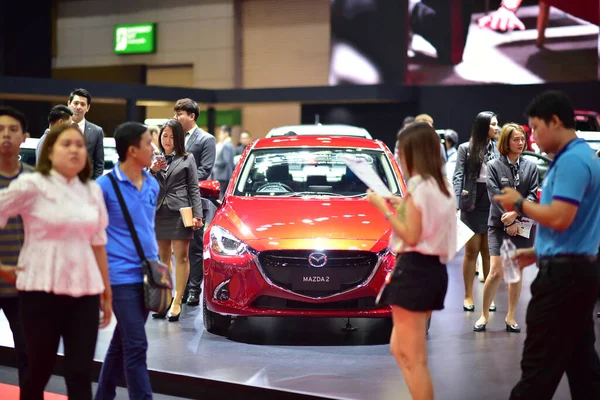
{"x": 492, "y": 308}
{"x": 512, "y": 328}
{"x": 470, "y": 308}
{"x": 171, "y": 316}
{"x": 162, "y": 315}
{"x": 479, "y": 327}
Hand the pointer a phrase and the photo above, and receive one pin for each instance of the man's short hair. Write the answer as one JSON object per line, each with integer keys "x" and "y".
{"x": 59, "y": 113}
{"x": 552, "y": 102}
{"x": 81, "y": 93}
{"x": 16, "y": 114}
{"x": 451, "y": 136}
{"x": 408, "y": 120}
{"x": 189, "y": 106}
{"x": 226, "y": 128}
{"x": 424, "y": 118}
{"x": 126, "y": 135}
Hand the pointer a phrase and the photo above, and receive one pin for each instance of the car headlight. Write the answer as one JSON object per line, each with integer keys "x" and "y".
{"x": 224, "y": 243}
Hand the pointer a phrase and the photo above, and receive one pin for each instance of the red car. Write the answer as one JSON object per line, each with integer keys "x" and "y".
{"x": 295, "y": 235}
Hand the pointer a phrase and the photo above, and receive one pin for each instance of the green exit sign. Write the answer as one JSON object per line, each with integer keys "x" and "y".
{"x": 135, "y": 39}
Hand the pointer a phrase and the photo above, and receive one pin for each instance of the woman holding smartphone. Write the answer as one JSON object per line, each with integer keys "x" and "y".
{"x": 510, "y": 170}
{"x": 177, "y": 176}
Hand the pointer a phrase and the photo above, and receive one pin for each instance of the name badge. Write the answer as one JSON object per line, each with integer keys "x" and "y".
{"x": 524, "y": 227}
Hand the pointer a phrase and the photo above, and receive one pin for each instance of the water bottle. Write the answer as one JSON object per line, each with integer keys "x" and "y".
{"x": 510, "y": 266}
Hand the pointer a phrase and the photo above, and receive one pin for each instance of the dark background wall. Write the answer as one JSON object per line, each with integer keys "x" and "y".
{"x": 26, "y": 50}
{"x": 452, "y": 107}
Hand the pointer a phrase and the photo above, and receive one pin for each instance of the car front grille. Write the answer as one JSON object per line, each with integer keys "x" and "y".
{"x": 342, "y": 270}
{"x": 275, "y": 303}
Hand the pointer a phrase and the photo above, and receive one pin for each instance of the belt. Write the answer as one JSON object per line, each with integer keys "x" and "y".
{"x": 566, "y": 259}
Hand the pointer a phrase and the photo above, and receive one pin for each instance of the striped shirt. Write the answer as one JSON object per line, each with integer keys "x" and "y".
{"x": 11, "y": 237}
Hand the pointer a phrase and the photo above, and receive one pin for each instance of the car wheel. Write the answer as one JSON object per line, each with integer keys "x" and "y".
{"x": 215, "y": 323}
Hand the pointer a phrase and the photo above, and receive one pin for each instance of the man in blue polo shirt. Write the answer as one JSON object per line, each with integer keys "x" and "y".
{"x": 128, "y": 347}
{"x": 560, "y": 316}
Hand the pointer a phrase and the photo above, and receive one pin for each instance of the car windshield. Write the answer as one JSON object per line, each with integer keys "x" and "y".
{"x": 310, "y": 172}
{"x": 594, "y": 144}
{"x": 110, "y": 157}
{"x": 27, "y": 156}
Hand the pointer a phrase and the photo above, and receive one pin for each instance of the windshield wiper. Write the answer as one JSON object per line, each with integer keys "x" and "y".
{"x": 300, "y": 194}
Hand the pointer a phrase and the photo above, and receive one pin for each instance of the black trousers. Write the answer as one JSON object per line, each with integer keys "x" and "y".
{"x": 11, "y": 308}
{"x": 560, "y": 331}
{"x": 195, "y": 255}
{"x": 46, "y": 317}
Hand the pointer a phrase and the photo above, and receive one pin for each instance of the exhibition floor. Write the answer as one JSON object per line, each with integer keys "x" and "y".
{"x": 294, "y": 358}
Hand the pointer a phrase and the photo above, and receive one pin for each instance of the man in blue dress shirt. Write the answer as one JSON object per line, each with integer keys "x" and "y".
{"x": 560, "y": 316}
{"x": 126, "y": 355}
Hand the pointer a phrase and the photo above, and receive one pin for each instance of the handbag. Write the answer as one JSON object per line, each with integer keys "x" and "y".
{"x": 158, "y": 284}
{"x": 467, "y": 203}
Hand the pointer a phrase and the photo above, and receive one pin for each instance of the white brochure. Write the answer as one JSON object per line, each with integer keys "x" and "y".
{"x": 367, "y": 174}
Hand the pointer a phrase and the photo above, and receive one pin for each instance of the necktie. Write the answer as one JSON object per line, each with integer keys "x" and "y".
{"x": 514, "y": 168}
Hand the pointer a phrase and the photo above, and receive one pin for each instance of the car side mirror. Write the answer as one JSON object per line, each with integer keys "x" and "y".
{"x": 210, "y": 190}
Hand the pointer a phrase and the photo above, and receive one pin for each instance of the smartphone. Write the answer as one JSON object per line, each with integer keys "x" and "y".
{"x": 160, "y": 157}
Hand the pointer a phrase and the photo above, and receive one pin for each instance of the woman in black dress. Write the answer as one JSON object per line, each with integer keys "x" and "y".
{"x": 178, "y": 179}
{"x": 472, "y": 198}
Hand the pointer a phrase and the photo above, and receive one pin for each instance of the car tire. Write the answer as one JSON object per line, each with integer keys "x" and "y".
{"x": 215, "y": 323}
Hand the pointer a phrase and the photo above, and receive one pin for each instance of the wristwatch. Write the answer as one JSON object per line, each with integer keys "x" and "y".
{"x": 518, "y": 206}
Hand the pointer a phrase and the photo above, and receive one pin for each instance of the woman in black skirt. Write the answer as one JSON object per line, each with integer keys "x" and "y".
{"x": 178, "y": 179}
{"x": 510, "y": 170}
{"x": 471, "y": 195}
{"x": 424, "y": 237}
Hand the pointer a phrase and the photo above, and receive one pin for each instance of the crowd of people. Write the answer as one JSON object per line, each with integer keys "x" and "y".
{"x": 495, "y": 190}
{"x": 68, "y": 262}
{"x": 67, "y": 259}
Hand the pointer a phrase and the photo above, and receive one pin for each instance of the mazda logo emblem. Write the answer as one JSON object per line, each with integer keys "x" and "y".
{"x": 317, "y": 260}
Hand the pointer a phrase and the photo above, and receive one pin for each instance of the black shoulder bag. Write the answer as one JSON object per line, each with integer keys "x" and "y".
{"x": 466, "y": 200}
{"x": 158, "y": 284}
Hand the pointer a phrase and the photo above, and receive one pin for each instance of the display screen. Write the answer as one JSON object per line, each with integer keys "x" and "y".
{"x": 457, "y": 42}
{"x": 135, "y": 39}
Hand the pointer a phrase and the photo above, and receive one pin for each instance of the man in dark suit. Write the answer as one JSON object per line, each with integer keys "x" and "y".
{"x": 245, "y": 140}
{"x": 223, "y": 168}
{"x": 59, "y": 114}
{"x": 203, "y": 146}
{"x": 80, "y": 102}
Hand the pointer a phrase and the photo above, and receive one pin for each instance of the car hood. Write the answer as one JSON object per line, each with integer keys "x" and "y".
{"x": 345, "y": 219}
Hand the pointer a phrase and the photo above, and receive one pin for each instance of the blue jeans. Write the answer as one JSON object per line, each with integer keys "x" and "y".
{"x": 127, "y": 351}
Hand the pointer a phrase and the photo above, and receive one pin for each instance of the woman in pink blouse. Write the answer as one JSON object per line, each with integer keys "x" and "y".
{"x": 63, "y": 273}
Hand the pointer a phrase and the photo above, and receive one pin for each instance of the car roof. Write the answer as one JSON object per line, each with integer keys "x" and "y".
{"x": 321, "y": 130}
{"x": 589, "y": 135}
{"x": 317, "y": 141}
{"x": 30, "y": 143}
